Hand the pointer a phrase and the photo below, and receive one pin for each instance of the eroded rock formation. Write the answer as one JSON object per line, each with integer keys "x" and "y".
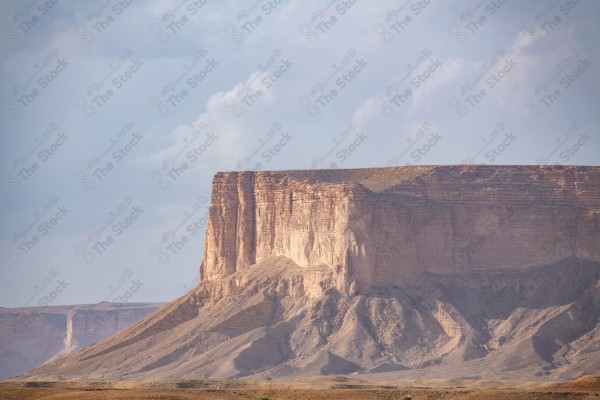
{"x": 390, "y": 225}
{"x": 480, "y": 272}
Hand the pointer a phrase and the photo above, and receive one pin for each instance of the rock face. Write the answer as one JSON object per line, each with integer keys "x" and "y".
{"x": 483, "y": 272}
{"x": 390, "y": 225}
{"x": 30, "y": 336}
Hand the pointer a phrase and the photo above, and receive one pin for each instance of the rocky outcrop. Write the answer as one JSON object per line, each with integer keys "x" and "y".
{"x": 278, "y": 320}
{"x": 478, "y": 272}
{"x": 257, "y": 216}
{"x": 386, "y": 226}
{"x": 30, "y": 336}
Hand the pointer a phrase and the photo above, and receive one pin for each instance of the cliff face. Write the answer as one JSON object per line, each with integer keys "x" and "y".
{"x": 486, "y": 272}
{"x": 30, "y": 336}
{"x": 389, "y": 226}
{"x": 256, "y": 216}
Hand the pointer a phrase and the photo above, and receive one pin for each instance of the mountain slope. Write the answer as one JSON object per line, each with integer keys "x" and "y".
{"x": 419, "y": 271}
{"x": 262, "y": 323}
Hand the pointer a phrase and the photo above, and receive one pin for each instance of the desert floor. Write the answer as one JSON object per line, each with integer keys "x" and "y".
{"x": 315, "y": 388}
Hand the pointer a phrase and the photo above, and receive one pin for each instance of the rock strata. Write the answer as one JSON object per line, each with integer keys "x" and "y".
{"x": 454, "y": 272}
{"x": 390, "y": 225}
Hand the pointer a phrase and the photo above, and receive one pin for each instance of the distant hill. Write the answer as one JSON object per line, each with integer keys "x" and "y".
{"x": 31, "y": 336}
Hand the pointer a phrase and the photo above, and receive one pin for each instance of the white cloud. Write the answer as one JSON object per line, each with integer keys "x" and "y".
{"x": 235, "y": 132}
{"x": 449, "y": 70}
{"x": 535, "y": 59}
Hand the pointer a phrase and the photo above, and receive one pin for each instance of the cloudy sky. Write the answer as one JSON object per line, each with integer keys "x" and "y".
{"x": 117, "y": 113}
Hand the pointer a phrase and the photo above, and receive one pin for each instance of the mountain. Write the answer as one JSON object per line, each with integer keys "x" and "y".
{"x": 30, "y": 336}
{"x": 470, "y": 272}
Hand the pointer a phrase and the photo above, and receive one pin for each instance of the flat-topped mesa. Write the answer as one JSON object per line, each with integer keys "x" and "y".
{"x": 389, "y": 226}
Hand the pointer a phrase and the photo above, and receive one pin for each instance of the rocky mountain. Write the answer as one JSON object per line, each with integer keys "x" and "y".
{"x": 483, "y": 272}
{"x": 30, "y": 336}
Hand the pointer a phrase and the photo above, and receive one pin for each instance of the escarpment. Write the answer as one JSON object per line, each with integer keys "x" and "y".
{"x": 386, "y": 226}
{"x": 30, "y": 336}
{"x": 478, "y": 272}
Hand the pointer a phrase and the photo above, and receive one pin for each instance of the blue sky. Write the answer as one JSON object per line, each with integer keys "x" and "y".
{"x": 116, "y": 115}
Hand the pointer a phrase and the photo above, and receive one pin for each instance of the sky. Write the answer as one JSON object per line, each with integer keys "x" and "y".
{"x": 116, "y": 114}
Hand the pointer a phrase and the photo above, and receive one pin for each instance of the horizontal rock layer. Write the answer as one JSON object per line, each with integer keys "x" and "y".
{"x": 466, "y": 272}
{"x": 389, "y": 226}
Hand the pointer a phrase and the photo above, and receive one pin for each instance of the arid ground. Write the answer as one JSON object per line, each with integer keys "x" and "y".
{"x": 310, "y": 388}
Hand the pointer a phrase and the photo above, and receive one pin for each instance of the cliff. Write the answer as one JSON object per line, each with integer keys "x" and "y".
{"x": 387, "y": 226}
{"x": 478, "y": 272}
{"x": 31, "y": 336}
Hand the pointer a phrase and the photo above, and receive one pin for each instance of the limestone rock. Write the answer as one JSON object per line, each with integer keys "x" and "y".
{"x": 478, "y": 272}
{"x": 391, "y": 225}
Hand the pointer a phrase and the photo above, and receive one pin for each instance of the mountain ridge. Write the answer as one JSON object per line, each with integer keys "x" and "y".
{"x": 486, "y": 272}
{"x": 34, "y": 335}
